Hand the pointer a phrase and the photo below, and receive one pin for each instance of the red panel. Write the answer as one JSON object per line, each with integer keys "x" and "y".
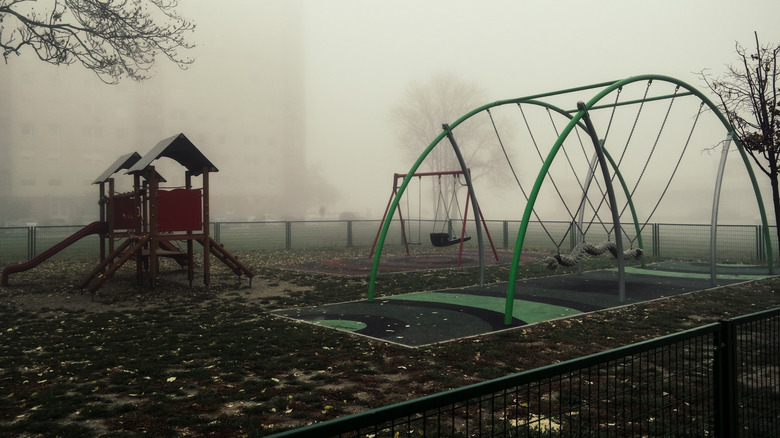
{"x": 125, "y": 213}
{"x": 179, "y": 210}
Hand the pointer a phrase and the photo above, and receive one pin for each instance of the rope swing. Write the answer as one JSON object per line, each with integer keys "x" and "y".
{"x": 595, "y": 250}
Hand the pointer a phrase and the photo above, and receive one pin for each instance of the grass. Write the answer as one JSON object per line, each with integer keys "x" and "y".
{"x": 212, "y": 362}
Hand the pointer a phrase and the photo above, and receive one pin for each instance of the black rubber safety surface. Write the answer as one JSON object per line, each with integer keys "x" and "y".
{"x": 422, "y": 318}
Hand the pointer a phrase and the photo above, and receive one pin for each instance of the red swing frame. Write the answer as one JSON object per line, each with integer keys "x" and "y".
{"x": 401, "y": 176}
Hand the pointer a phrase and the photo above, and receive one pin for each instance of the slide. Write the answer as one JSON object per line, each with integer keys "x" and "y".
{"x": 93, "y": 228}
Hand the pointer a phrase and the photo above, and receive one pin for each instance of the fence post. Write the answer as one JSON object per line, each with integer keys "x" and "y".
{"x": 288, "y": 235}
{"x": 506, "y": 234}
{"x": 573, "y": 235}
{"x": 217, "y": 230}
{"x": 31, "y": 243}
{"x": 759, "y": 246}
{"x": 349, "y": 233}
{"x": 725, "y": 380}
{"x": 657, "y": 241}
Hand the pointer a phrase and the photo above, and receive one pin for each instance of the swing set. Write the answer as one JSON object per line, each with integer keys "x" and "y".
{"x": 589, "y": 165}
{"x": 447, "y": 213}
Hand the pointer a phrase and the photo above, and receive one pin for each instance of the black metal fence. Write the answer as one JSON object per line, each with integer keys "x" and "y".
{"x": 720, "y": 380}
{"x": 735, "y": 244}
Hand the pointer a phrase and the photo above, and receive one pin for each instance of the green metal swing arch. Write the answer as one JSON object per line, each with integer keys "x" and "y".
{"x": 579, "y": 118}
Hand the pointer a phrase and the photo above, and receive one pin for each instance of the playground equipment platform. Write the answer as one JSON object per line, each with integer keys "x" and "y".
{"x": 141, "y": 225}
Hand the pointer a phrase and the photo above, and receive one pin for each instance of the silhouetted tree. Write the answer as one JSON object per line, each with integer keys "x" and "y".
{"x": 748, "y": 94}
{"x": 419, "y": 116}
{"x": 422, "y": 110}
{"x": 111, "y": 38}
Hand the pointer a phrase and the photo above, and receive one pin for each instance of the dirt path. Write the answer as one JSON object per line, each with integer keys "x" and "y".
{"x": 120, "y": 293}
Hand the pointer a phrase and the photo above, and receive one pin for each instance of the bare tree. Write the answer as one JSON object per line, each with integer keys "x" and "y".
{"x": 423, "y": 109}
{"x": 748, "y": 94}
{"x": 112, "y": 38}
{"x": 419, "y": 116}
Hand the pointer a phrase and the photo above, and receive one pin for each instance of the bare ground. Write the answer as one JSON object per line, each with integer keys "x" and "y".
{"x": 181, "y": 361}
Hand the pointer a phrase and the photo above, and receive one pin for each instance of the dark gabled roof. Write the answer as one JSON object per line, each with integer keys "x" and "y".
{"x": 180, "y": 149}
{"x": 124, "y": 162}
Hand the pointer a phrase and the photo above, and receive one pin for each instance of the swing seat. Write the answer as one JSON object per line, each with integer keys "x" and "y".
{"x": 443, "y": 239}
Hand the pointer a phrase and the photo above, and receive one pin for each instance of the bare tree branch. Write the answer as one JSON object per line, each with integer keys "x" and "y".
{"x": 114, "y": 38}
{"x": 748, "y": 95}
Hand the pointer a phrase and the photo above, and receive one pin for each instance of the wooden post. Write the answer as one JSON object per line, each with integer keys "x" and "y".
{"x": 190, "y": 252}
{"x": 110, "y": 211}
{"x": 102, "y": 214}
{"x": 153, "y": 216}
{"x": 139, "y": 225}
{"x": 206, "y": 240}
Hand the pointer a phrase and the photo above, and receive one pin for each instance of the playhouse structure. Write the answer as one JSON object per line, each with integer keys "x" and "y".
{"x": 151, "y": 221}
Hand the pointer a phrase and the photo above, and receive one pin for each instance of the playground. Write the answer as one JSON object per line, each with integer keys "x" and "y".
{"x": 609, "y": 155}
{"x": 474, "y": 304}
{"x": 610, "y": 162}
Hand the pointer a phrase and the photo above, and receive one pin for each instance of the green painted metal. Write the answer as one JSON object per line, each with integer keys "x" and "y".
{"x": 636, "y": 101}
{"x": 607, "y": 87}
{"x": 528, "y": 100}
{"x": 391, "y": 213}
{"x": 612, "y": 162}
{"x": 399, "y": 194}
{"x": 729, "y": 128}
{"x": 529, "y": 207}
{"x": 590, "y": 104}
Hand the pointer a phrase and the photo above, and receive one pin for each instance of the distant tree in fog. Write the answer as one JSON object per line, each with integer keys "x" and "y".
{"x": 422, "y": 110}
{"x": 112, "y": 38}
{"x": 748, "y": 94}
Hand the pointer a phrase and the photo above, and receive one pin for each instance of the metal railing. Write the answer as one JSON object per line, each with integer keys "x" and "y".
{"x": 719, "y": 380}
{"x": 736, "y": 243}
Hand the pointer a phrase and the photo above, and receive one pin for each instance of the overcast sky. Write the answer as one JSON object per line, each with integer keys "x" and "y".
{"x": 361, "y": 55}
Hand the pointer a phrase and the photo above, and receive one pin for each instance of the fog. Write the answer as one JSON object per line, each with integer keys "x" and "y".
{"x": 351, "y": 62}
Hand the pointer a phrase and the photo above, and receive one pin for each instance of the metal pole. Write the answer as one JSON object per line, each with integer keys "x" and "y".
{"x": 473, "y": 197}
{"x": 612, "y": 202}
{"x": 715, "y": 206}
{"x": 580, "y": 236}
{"x": 725, "y": 380}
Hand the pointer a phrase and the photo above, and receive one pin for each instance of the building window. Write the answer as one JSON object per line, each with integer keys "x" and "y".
{"x": 93, "y": 131}
{"x": 96, "y": 158}
{"x": 28, "y": 129}
{"x": 54, "y": 130}
{"x": 27, "y": 182}
{"x": 178, "y": 114}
